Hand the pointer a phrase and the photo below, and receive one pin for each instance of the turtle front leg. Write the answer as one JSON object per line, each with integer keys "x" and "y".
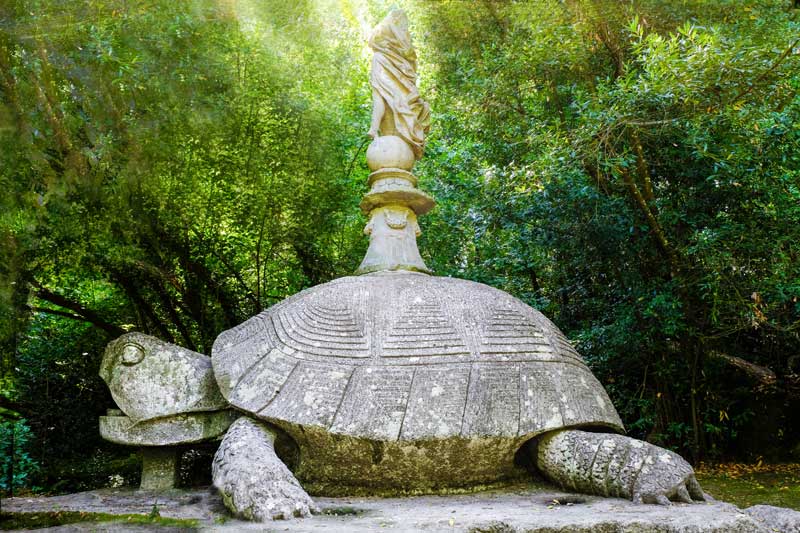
{"x": 615, "y": 465}
{"x": 253, "y": 481}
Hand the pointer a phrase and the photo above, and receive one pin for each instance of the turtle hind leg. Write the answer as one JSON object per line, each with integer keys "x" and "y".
{"x": 253, "y": 481}
{"x": 618, "y": 466}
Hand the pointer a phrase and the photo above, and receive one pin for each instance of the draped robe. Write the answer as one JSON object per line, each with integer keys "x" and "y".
{"x": 393, "y": 77}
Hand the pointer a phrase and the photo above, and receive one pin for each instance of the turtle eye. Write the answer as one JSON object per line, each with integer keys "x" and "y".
{"x": 132, "y": 354}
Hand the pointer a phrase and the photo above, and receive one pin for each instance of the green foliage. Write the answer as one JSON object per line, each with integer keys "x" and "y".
{"x": 200, "y": 185}
{"x": 17, "y": 467}
{"x": 629, "y": 168}
{"x": 169, "y": 168}
{"x": 57, "y": 381}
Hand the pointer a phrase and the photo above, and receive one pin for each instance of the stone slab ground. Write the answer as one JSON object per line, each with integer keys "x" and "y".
{"x": 529, "y": 508}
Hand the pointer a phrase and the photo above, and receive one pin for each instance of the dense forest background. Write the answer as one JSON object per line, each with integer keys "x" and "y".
{"x": 630, "y": 168}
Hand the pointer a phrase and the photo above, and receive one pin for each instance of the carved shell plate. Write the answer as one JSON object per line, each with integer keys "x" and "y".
{"x": 406, "y": 356}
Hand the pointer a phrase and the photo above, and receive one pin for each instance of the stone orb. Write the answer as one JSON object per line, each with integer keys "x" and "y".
{"x": 389, "y": 151}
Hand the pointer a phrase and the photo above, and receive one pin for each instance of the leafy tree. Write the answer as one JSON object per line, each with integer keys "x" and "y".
{"x": 630, "y": 169}
{"x": 169, "y": 168}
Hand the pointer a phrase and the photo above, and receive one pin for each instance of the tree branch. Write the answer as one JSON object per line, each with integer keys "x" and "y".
{"x": 644, "y": 173}
{"x": 786, "y": 53}
{"x": 761, "y": 374}
{"x": 656, "y": 228}
{"x": 56, "y": 312}
{"x": 82, "y": 313}
{"x": 132, "y": 290}
{"x": 169, "y": 307}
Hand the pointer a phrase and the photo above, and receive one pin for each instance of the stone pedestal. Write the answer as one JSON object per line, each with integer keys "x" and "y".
{"x": 160, "y": 440}
{"x": 393, "y": 204}
{"x": 159, "y": 467}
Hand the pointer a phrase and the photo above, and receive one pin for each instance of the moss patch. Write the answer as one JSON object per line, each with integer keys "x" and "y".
{"x": 752, "y": 484}
{"x": 342, "y": 511}
{"x": 332, "y": 490}
{"x": 57, "y": 518}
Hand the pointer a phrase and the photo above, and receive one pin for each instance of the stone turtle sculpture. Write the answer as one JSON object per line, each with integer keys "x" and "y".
{"x": 403, "y": 382}
{"x": 394, "y": 380}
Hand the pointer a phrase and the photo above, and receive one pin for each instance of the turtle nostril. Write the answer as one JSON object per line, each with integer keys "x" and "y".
{"x": 132, "y": 354}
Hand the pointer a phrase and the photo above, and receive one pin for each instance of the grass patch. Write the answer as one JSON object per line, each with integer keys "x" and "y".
{"x": 745, "y": 485}
{"x": 58, "y": 518}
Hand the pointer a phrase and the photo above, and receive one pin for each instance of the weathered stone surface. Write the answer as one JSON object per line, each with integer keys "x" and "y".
{"x": 179, "y": 429}
{"x": 437, "y": 408}
{"x": 492, "y": 400}
{"x": 168, "y": 396}
{"x": 253, "y": 482}
{"x": 615, "y": 465}
{"x": 530, "y": 509}
{"x": 150, "y": 379}
{"x": 311, "y": 395}
{"x": 391, "y": 175}
{"x": 401, "y": 381}
{"x": 354, "y": 354}
{"x": 775, "y": 518}
{"x": 197, "y": 504}
{"x": 118, "y": 526}
{"x": 335, "y": 465}
{"x": 382, "y": 417}
{"x": 159, "y": 468}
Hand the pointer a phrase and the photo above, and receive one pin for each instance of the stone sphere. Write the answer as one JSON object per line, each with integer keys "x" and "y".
{"x": 389, "y": 151}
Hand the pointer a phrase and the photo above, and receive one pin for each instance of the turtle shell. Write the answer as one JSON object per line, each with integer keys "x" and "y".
{"x": 409, "y": 357}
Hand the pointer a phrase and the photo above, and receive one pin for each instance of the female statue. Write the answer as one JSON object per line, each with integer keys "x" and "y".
{"x": 397, "y": 108}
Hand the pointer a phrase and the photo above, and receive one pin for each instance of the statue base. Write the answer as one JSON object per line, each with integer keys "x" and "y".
{"x": 394, "y": 186}
{"x": 392, "y": 231}
{"x": 393, "y": 204}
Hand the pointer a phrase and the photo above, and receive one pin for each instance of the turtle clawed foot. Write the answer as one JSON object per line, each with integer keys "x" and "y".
{"x": 285, "y": 508}
{"x": 653, "y": 499}
{"x": 682, "y": 495}
{"x": 295, "y": 503}
{"x": 696, "y": 491}
{"x": 686, "y": 491}
{"x": 277, "y": 499}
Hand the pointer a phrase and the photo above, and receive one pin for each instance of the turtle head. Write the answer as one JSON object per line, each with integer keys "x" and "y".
{"x": 149, "y": 378}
